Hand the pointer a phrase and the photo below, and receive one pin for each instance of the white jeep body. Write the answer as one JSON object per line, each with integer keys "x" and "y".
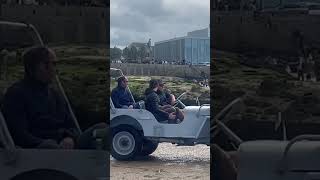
{"x": 297, "y": 159}
{"x": 264, "y": 160}
{"x": 79, "y": 164}
{"x": 195, "y": 126}
{"x": 136, "y": 132}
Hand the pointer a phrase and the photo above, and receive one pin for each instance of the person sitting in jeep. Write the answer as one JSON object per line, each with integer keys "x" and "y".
{"x": 153, "y": 103}
{"x": 36, "y": 114}
{"x": 166, "y": 98}
{"x": 167, "y": 101}
{"x": 121, "y": 97}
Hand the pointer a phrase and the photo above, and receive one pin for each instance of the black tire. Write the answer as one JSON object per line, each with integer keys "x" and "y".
{"x": 148, "y": 147}
{"x": 43, "y": 174}
{"x": 124, "y": 137}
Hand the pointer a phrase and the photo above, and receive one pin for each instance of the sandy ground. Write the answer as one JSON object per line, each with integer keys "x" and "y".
{"x": 167, "y": 162}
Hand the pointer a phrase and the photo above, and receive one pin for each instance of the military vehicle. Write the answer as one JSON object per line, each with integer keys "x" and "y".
{"x": 137, "y": 132}
{"x": 293, "y": 159}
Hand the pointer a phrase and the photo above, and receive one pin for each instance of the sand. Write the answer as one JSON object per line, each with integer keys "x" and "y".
{"x": 167, "y": 162}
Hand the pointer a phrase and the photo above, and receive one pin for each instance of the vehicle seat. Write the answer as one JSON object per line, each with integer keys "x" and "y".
{"x": 164, "y": 122}
{"x": 111, "y": 104}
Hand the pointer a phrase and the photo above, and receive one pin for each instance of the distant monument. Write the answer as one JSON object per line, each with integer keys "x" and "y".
{"x": 149, "y": 43}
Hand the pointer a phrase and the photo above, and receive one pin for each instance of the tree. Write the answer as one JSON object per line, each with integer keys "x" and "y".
{"x": 115, "y": 53}
{"x": 126, "y": 53}
{"x": 134, "y": 53}
{"x": 142, "y": 53}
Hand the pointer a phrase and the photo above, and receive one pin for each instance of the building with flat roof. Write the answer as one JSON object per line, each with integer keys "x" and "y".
{"x": 191, "y": 49}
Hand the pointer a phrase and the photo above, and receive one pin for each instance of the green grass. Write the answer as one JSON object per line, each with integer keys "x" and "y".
{"x": 234, "y": 79}
{"x": 177, "y": 86}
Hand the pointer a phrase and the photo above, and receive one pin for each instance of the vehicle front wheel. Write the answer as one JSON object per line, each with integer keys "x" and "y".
{"x": 148, "y": 147}
{"x": 126, "y": 143}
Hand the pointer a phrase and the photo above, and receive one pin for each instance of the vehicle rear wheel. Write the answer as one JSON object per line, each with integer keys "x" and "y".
{"x": 148, "y": 147}
{"x": 44, "y": 174}
{"x": 126, "y": 143}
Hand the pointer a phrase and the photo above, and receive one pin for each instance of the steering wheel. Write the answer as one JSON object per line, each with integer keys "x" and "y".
{"x": 178, "y": 101}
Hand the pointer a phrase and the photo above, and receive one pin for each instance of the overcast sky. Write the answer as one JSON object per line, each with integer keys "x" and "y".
{"x": 139, "y": 20}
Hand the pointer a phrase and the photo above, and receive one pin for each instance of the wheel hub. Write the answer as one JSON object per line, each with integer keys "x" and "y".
{"x": 123, "y": 143}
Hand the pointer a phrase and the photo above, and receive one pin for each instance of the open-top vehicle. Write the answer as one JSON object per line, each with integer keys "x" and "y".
{"x": 137, "y": 132}
{"x": 295, "y": 159}
{"x": 20, "y": 164}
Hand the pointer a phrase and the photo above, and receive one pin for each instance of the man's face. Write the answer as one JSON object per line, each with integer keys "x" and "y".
{"x": 161, "y": 87}
{"x": 157, "y": 87}
{"x": 124, "y": 83}
{"x": 45, "y": 70}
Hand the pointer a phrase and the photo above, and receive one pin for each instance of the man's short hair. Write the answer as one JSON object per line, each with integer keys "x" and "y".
{"x": 120, "y": 79}
{"x": 153, "y": 83}
{"x": 34, "y": 56}
{"x": 161, "y": 83}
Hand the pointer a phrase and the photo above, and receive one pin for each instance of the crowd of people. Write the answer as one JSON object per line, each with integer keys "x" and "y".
{"x": 309, "y": 68}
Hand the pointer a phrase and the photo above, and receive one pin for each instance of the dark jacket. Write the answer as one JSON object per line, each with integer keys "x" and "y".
{"x": 121, "y": 97}
{"x": 152, "y": 105}
{"x": 164, "y": 97}
{"x": 35, "y": 112}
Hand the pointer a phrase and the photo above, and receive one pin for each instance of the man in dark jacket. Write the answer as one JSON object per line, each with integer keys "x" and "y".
{"x": 153, "y": 103}
{"x": 166, "y": 98}
{"x": 36, "y": 114}
{"x": 167, "y": 101}
{"x": 121, "y": 96}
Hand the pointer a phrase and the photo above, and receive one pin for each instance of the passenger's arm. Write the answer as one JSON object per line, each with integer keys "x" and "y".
{"x": 70, "y": 129}
{"x": 156, "y": 108}
{"x": 15, "y": 114}
{"x": 115, "y": 99}
{"x": 131, "y": 97}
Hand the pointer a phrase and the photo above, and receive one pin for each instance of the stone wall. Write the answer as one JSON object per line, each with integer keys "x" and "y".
{"x": 183, "y": 71}
{"x": 62, "y": 24}
{"x": 267, "y": 33}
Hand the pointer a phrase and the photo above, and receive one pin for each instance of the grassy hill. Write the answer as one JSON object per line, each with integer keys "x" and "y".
{"x": 266, "y": 91}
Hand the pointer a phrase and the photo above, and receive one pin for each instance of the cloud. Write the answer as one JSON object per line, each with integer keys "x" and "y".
{"x": 139, "y": 20}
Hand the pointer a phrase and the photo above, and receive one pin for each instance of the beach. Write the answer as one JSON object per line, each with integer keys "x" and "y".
{"x": 167, "y": 162}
